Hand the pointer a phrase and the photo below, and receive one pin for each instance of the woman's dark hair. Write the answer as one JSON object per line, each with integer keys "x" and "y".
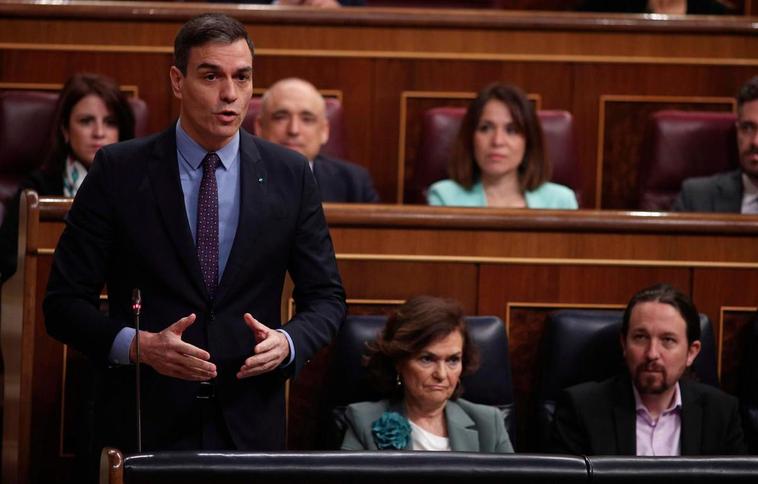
{"x": 77, "y": 87}
{"x": 416, "y": 324}
{"x": 534, "y": 170}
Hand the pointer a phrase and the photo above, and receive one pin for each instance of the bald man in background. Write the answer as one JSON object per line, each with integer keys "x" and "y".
{"x": 293, "y": 114}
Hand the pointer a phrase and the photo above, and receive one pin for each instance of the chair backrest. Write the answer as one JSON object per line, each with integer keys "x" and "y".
{"x": 26, "y": 124}
{"x": 336, "y": 145}
{"x": 489, "y": 385}
{"x": 680, "y": 145}
{"x": 583, "y": 345}
{"x": 439, "y": 130}
{"x": 748, "y": 387}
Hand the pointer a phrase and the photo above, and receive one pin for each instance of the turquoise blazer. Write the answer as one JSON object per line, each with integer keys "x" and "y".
{"x": 547, "y": 195}
{"x": 471, "y": 427}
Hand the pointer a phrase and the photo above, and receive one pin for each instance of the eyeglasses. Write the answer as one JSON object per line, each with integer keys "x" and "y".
{"x": 747, "y": 128}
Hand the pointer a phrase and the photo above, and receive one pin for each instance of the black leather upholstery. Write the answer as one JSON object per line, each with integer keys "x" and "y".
{"x": 490, "y": 384}
{"x": 672, "y": 469}
{"x": 350, "y": 467}
{"x": 583, "y": 345}
{"x": 749, "y": 387}
{"x": 417, "y": 467}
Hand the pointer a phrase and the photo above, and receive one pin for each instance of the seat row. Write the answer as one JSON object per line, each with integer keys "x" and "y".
{"x": 679, "y": 145}
{"x": 578, "y": 346}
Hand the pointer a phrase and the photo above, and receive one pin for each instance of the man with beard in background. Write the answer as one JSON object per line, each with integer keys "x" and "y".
{"x": 734, "y": 191}
{"x": 651, "y": 410}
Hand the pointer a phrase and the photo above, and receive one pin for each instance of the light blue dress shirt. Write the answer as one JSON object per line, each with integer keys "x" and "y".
{"x": 189, "y": 155}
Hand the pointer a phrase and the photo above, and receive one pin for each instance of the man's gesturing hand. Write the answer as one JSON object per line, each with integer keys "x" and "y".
{"x": 170, "y": 356}
{"x": 271, "y": 350}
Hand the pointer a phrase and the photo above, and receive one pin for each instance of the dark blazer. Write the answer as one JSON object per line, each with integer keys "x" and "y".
{"x": 340, "y": 181}
{"x": 716, "y": 193}
{"x": 471, "y": 427}
{"x": 128, "y": 229}
{"x": 599, "y": 419}
{"x": 44, "y": 184}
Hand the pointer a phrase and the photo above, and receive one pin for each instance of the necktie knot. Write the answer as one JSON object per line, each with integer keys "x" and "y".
{"x": 210, "y": 163}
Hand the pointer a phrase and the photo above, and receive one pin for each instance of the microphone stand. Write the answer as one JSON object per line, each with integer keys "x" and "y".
{"x": 136, "y": 309}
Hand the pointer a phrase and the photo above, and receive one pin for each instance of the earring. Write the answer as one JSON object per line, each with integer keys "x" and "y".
{"x": 397, "y": 380}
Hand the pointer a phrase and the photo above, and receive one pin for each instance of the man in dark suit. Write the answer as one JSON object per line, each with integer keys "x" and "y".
{"x": 293, "y": 114}
{"x": 735, "y": 191}
{"x": 205, "y": 220}
{"x": 651, "y": 410}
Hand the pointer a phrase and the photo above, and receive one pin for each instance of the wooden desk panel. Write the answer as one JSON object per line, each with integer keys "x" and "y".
{"x": 516, "y": 264}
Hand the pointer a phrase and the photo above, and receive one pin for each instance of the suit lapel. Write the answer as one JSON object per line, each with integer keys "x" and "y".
{"x": 624, "y": 417}
{"x": 692, "y": 418}
{"x": 163, "y": 171}
{"x": 253, "y": 190}
{"x": 461, "y": 429}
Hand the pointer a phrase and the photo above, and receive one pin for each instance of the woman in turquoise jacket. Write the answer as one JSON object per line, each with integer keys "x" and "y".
{"x": 499, "y": 158}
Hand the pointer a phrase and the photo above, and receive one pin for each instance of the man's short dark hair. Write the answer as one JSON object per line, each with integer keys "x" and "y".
{"x": 205, "y": 28}
{"x": 666, "y": 294}
{"x": 748, "y": 92}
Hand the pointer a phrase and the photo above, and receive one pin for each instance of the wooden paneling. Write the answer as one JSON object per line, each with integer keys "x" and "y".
{"x": 516, "y": 264}
{"x": 374, "y": 55}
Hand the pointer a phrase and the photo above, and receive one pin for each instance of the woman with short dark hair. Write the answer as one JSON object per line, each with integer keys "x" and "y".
{"x": 417, "y": 362}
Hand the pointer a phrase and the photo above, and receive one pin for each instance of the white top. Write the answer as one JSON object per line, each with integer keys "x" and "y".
{"x": 424, "y": 440}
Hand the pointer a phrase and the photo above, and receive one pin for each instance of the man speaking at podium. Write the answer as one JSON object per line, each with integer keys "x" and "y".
{"x": 205, "y": 220}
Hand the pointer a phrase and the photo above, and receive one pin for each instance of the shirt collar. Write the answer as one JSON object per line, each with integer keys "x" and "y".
{"x": 676, "y": 404}
{"x": 192, "y": 153}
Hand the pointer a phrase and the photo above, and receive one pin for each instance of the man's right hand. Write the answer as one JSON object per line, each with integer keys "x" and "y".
{"x": 170, "y": 356}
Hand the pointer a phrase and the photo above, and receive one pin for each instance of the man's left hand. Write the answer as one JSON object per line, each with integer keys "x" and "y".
{"x": 271, "y": 350}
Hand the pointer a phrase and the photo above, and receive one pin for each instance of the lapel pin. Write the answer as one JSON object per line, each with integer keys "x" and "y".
{"x": 260, "y": 180}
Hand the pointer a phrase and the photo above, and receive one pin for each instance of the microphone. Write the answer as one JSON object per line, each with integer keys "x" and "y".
{"x": 136, "y": 309}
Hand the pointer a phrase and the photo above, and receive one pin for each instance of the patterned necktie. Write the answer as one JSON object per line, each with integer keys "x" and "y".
{"x": 207, "y": 224}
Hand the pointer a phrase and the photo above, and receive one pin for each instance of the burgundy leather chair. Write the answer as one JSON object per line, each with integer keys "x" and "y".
{"x": 440, "y": 127}
{"x": 26, "y": 119}
{"x": 335, "y": 147}
{"x": 680, "y": 145}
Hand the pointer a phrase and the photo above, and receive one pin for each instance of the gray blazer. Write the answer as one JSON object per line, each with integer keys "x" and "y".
{"x": 471, "y": 427}
{"x": 716, "y": 193}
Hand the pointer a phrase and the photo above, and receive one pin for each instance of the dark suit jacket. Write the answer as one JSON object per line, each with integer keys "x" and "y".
{"x": 716, "y": 193}
{"x": 128, "y": 229}
{"x": 599, "y": 419}
{"x": 340, "y": 181}
{"x": 44, "y": 184}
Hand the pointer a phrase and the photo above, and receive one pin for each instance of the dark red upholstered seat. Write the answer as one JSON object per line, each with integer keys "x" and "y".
{"x": 440, "y": 128}
{"x": 680, "y": 145}
{"x": 335, "y": 147}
